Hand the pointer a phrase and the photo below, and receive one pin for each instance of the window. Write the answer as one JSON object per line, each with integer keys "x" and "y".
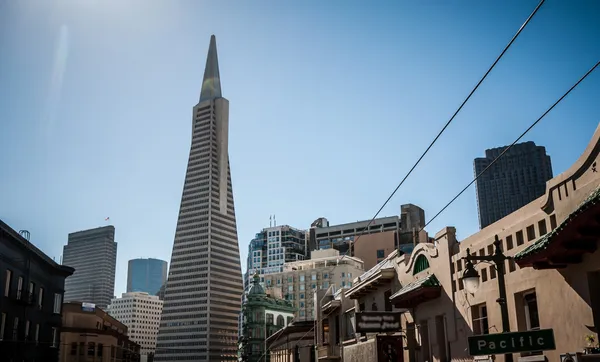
{"x": 532, "y": 318}
{"x": 421, "y": 264}
{"x": 54, "y": 337}
{"x": 480, "y": 319}
{"x": 280, "y": 320}
{"x": 37, "y": 333}
{"x": 301, "y": 278}
{"x": 301, "y": 286}
{"x": 7, "y": 283}
{"x": 57, "y": 303}
{"x": 15, "y": 329}
{"x": 530, "y": 233}
{"x": 270, "y": 318}
{"x": 542, "y": 227}
{"x": 100, "y": 347}
{"x": 387, "y": 302}
{"x": 2, "y": 326}
{"x": 380, "y": 253}
{"x": 313, "y": 277}
{"x": 91, "y": 349}
{"x": 19, "y": 287}
{"x": 520, "y": 237}
{"x": 26, "y": 330}
{"x": 41, "y": 298}
{"x": 73, "y": 348}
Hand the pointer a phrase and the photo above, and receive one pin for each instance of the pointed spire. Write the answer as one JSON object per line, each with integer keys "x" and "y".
{"x": 211, "y": 84}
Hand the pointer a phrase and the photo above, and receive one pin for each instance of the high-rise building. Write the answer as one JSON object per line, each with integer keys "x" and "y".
{"x": 271, "y": 248}
{"x": 140, "y": 312}
{"x": 146, "y": 275}
{"x": 515, "y": 180}
{"x": 204, "y": 286}
{"x": 93, "y": 254}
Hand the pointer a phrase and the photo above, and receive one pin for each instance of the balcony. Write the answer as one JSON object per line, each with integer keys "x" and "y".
{"x": 329, "y": 352}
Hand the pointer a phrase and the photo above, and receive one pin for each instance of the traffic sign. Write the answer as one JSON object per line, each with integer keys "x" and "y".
{"x": 513, "y": 342}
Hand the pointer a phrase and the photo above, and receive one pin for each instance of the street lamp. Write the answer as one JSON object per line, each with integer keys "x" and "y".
{"x": 471, "y": 282}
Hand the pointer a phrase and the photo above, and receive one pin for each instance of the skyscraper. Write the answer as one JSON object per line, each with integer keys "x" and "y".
{"x": 515, "y": 180}
{"x": 93, "y": 254}
{"x": 204, "y": 287}
{"x": 146, "y": 275}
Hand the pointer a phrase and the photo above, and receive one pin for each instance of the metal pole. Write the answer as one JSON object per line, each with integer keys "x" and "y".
{"x": 500, "y": 258}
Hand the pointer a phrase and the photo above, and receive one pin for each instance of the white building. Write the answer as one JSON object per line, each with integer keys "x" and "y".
{"x": 299, "y": 280}
{"x": 140, "y": 312}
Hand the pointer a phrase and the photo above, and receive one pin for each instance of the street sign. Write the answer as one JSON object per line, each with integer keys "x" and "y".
{"x": 377, "y": 322}
{"x": 514, "y": 342}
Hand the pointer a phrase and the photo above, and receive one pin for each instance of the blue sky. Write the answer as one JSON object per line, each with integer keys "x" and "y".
{"x": 330, "y": 105}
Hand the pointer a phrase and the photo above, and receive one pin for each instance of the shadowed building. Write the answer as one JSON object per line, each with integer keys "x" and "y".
{"x": 518, "y": 178}
{"x": 204, "y": 287}
{"x": 93, "y": 254}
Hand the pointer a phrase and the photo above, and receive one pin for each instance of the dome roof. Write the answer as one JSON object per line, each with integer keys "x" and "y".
{"x": 256, "y": 288}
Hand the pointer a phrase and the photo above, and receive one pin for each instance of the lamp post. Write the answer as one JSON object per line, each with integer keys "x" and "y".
{"x": 471, "y": 281}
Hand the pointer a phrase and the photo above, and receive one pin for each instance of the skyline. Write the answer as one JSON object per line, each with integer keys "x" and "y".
{"x": 421, "y": 73}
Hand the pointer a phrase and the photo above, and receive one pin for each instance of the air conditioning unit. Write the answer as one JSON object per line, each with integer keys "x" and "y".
{"x": 571, "y": 357}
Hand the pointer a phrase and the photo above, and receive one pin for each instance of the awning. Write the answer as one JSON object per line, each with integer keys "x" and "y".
{"x": 417, "y": 292}
{"x": 330, "y": 306}
{"x": 380, "y": 274}
{"x": 566, "y": 244}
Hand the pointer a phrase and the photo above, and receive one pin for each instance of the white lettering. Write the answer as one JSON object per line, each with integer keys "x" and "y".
{"x": 492, "y": 345}
{"x": 502, "y": 344}
{"x": 540, "y": 341}
{"x": 480, "y": 344}
{"x": 522, "y": 340}
{"x": 513, "y": 342}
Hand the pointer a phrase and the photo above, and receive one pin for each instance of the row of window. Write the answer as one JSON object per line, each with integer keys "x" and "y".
{"x": 29, "y": 335}
{"x": 29, "y": 294}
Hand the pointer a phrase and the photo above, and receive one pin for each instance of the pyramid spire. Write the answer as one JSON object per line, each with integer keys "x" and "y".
{"x": 211, "y": 83}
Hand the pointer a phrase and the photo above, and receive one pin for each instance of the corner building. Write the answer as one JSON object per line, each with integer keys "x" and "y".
{"x": 204, "y": 286}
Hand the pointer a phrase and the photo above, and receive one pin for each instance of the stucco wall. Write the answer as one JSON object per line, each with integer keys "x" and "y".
{"x": 366, "y": 351}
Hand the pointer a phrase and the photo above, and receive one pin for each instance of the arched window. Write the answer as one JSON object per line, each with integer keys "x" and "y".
{"x": 280, "y": 320}
{"x": 421, "y": 264}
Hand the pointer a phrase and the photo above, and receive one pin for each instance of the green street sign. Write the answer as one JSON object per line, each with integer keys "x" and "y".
{"x": 514, "y": 342}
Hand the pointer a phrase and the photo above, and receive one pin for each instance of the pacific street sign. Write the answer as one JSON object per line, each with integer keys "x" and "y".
{"x": 513, "y": 342}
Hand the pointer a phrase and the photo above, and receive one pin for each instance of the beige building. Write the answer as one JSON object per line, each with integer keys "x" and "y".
{"x": 89, "y": 334}
{"x": 140, "y": 312}
{"x": 299, "y": 280}
{"x": 552, "y": 282}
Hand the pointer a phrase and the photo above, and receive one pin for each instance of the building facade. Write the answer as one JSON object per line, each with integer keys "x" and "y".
{"x": 518, "y": 178}
{"x": 90, "y": 334}
{"x": 370, "y": 241}
{"x": 32, "y": 287}
{"x": 264, "y": 315}
{"x": 93, "y": 254}
{"x": 300, "y": 280}
{"x": 271, "y": 248}
{"x": 140, "y": 312}
{"x": 551, "y": 282}
{"x": 146, "y": 275}
{"x": 204, "y": 287}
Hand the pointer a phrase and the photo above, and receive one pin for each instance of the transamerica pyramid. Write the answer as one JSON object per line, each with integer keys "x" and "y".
{"x": 203, "y": 292}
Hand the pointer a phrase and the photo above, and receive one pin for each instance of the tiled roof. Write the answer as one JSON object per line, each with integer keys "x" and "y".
{"x": 429, "y": 281}
{"x": 545, "y": 241}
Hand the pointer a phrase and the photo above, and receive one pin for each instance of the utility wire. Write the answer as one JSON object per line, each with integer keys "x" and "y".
{"x": 454, "y": 115}
{"x": 512, "y": 144}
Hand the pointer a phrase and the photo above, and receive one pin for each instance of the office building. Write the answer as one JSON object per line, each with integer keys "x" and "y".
{"x": 371, "y": 241}
{"x": 299, "y": 280}
{"x": 140, "y": 312}
{"x": 146, "y": 275}
{"x": 91, "y": 334}
{"x": 518, "y": 178}
{"x": 271, "y": 248}
{"x": 32, "y": 286}
{"x": 93, "y": 254}
{"x": 204, "y": 287}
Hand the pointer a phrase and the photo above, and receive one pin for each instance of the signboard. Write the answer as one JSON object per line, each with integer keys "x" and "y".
{"x": 88, "y": 307}
{"x": 377, "y": 322}
{"x": 514, "y": 342}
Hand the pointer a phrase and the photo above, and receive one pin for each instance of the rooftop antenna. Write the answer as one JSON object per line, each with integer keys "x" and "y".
{"x": 274, "y": 221}
{"x": 270, "y": 220}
